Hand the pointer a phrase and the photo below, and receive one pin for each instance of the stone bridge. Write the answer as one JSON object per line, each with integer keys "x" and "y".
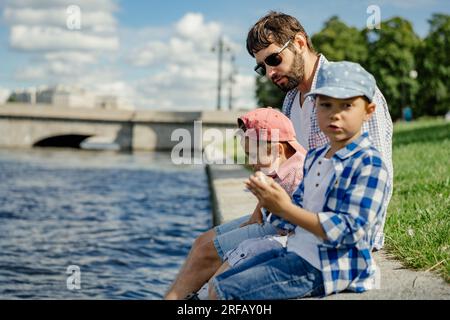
{"x": 39, "y": 125}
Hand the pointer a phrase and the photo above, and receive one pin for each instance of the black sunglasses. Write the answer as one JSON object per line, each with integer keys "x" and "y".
{"x": 272, "y": 60}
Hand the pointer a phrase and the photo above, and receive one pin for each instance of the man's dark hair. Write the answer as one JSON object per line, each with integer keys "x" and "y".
{"x": 277, "y": 28}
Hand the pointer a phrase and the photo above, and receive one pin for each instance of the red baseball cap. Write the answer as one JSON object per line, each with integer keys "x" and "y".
{"x": 270, "y": 124}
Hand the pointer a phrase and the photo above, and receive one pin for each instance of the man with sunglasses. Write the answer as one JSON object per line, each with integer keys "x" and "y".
{"x": 285, "y": 55}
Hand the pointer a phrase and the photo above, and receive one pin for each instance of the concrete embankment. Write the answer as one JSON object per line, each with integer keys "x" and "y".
{"x": 230, "y": 201}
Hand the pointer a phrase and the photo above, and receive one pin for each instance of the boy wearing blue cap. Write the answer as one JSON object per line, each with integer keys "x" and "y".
{"x": 337, "y": 209}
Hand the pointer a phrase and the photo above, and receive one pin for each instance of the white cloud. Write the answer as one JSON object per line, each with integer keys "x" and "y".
{"x": 183, "y": 69}
{"x": 48, "y": 25}
{"x": 192, "y": 87}
{"x": 75, "y": 57}
{"x": 31, "y": 73}
{"x": 107, "y": 5}
{"x": 61, "y": 55}
{"x": 244, "y": 92}
{"x": 97, "y": 20}
{"x": 193, "y": 28}
{"x": 54, "y": 71}
{"x": 50, "y": 38}
{"x": 59, "y": 67}
{"x": 149, "y": 54}
{"x": 192, "y": 39}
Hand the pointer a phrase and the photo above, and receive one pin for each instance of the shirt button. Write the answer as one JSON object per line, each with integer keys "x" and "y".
{"x": 242, "y": 255}
{"x": 317, "y": 185}
{"x": 320, "y": 162}
{"x": 318, "y": 173}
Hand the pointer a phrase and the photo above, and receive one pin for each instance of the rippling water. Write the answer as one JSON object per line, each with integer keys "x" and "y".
{"x": 127, "y": 221}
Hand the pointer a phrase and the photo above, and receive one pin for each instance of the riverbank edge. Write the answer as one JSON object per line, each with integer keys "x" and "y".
{"x": 229, "y": 201}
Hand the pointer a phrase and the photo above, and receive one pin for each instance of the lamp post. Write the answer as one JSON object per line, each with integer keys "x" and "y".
{"x": 231, "y": 80}
{"x": 220, "y": 50}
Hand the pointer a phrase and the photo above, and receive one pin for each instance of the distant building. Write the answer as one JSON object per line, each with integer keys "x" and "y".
{"x": 68, "y": 97}
{"x": 109, "y": 102}
{"x": 72, "y": 97}
{"x": 113, "y": 102}
{"x": 44, "y": 96}
{"x": 23, "y": 96}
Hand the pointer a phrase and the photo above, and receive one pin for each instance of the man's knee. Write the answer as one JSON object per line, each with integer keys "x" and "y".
{"x": 204, "y": 238}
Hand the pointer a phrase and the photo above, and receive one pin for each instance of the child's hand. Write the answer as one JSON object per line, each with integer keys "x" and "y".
{"x": 255, "y": 218}
{"x": 269, "y": 193}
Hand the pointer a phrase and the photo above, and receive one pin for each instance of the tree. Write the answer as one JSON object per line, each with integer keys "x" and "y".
{"x": 434, "y": 67}
{"x": 12, "y": 98}
{"x": 268, "y": 94}
{"x": 338, "y": 42}
{"x": 391, "y": 60}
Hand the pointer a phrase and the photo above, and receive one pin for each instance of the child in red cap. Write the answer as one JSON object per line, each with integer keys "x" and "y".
{"x": 268, "y": 138}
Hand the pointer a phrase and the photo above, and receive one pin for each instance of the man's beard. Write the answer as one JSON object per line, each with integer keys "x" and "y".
{"x": 295, "y": 75}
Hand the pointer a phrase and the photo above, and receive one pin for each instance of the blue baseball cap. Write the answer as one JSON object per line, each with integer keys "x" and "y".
{"x": 343, "y": 80}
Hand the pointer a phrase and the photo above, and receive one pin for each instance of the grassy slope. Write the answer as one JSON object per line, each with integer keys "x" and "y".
{"x": 418, "y": 222}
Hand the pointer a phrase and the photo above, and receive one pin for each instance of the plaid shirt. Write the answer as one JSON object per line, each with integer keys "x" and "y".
{"x": 353, "y": 212}
{"x": 379, "y": 128}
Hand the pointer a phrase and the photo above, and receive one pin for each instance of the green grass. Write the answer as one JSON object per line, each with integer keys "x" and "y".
{"x": 418, "y": 222}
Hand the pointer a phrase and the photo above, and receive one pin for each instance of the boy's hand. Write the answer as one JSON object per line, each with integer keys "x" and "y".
{"x": 270, "y": 194}
{"x": 255, "y": 218}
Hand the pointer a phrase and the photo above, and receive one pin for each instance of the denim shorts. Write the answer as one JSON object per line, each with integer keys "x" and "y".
{"x": 253, "y": 247}
{"x": 275, "y": 274}
{"x": 229, "y": 235}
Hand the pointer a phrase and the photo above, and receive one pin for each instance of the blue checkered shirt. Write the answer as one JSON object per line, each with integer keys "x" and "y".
{"x": 353, "y": 212}
{"x": 379, "y": 128}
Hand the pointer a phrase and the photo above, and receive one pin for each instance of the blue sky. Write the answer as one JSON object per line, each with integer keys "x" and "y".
{"x": 156, "y": 54}
{"x": 311, "y": 13}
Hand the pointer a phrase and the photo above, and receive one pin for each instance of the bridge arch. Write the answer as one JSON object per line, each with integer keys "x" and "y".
{"x": 62, "y": 141}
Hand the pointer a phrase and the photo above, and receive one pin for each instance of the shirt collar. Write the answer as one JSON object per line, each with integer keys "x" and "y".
{"x": 360, "y": 143}
{"x": 322, "y": 61}
{"x": 294, "y": 161}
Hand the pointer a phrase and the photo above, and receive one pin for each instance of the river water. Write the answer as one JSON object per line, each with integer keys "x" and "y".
{"x": 118, "y": 226}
